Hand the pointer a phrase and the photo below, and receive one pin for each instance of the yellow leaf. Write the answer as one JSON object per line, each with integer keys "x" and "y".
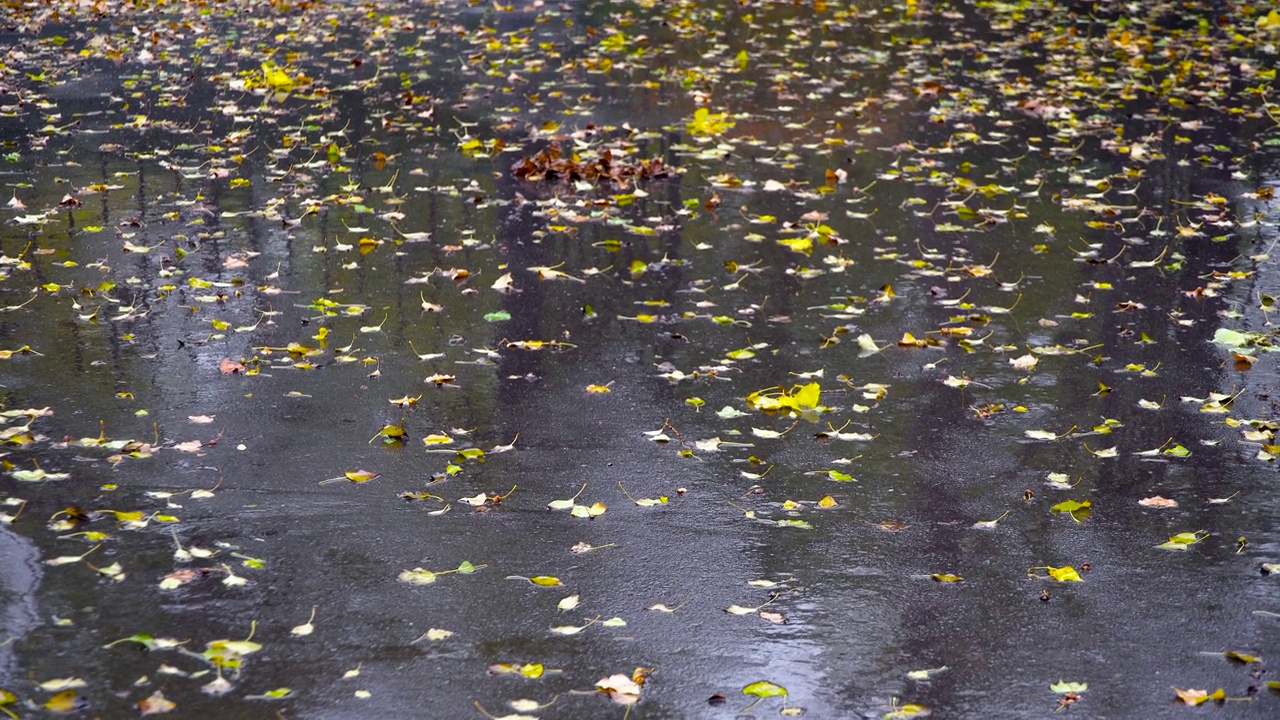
{"x": 545, "y": 581}
{"x": 806, "y": 396}
{"x": 417, "y": 576}
{"x": 1242, "y": 657}
{"x": 67, "y": 701}
{"x": 800, "y": 244}
{"x": 827, "y": 502}
{"x": 360, "y": 476}
{"x": 275, "y": 78}
{"x": 1064, "y": 574}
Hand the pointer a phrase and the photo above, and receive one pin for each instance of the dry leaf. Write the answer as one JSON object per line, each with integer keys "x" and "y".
{"x": 620, "y": 688}
{"x": 156, "y": 704}
{"x": 1198, "y": 697}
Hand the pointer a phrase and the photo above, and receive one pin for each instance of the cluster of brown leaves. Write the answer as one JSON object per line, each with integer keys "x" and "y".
{"x": 550, "y": 164}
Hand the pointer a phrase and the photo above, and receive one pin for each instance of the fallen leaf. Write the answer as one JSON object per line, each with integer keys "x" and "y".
{"x": 1199, "y": 697}
{"x": 764, "y": 688}
{"x": 156, "y": 704}
{"x": 620, "y": 688}
{"x": 67, "y": 701}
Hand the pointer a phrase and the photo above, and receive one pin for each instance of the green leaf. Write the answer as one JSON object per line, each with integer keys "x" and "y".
{"x": 1183, "y": 540}
{"x": 278, "y": 694}
{"x": 142, "y": 639}
{"x": 1077, "y": 509}
{"x": 764, "y": 689}
{"x": 497, "y": 316}
{"x": 1231, "y": 338}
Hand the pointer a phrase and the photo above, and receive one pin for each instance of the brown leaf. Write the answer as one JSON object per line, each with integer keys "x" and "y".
{"x": 229, "y": 366}
{"x": 156, "y": 704}
{"x": 1156, "y": 501}
{"x": 891, "y": 525}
